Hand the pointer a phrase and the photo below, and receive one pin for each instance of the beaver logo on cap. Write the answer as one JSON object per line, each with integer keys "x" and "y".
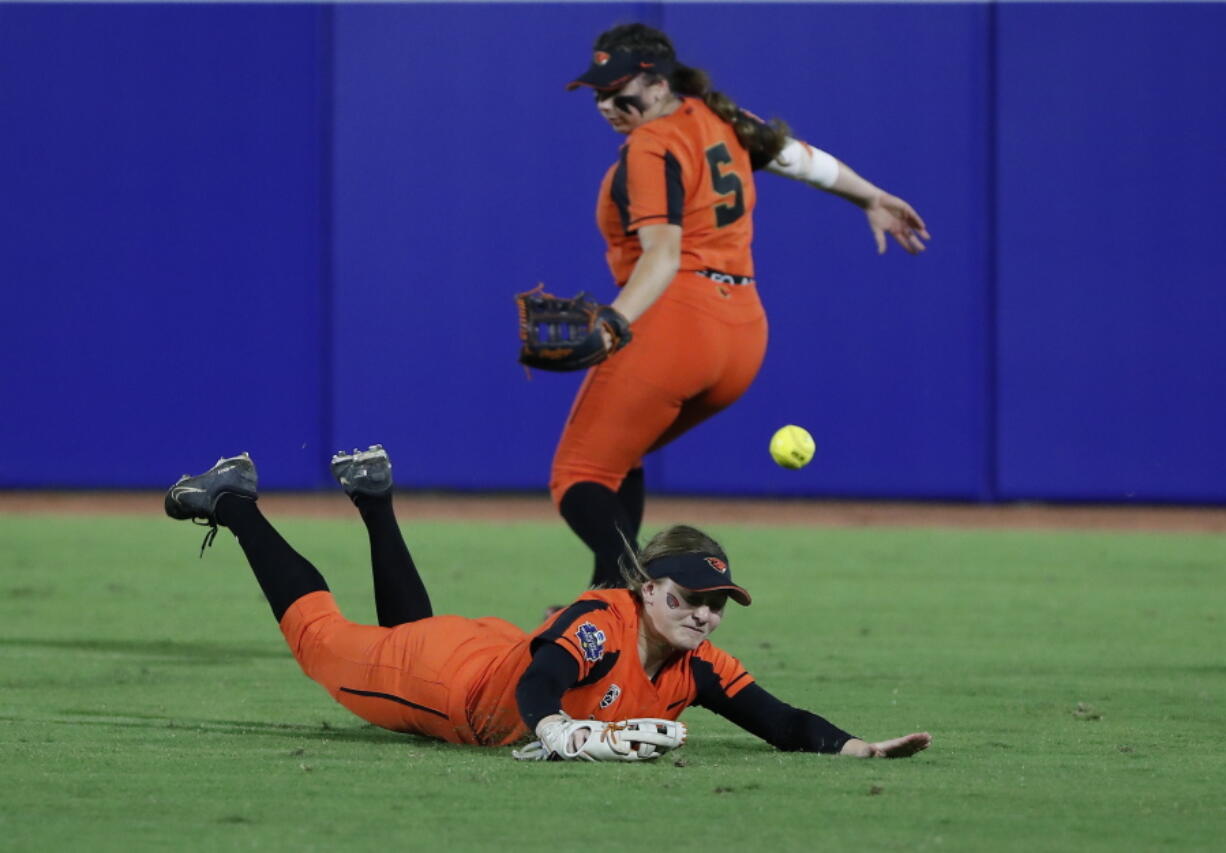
{"x": 717, "y": 564}
{"x": 600, "y": 58}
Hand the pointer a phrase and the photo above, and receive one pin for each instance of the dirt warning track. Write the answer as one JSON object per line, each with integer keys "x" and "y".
{"x": 662, "y": 510}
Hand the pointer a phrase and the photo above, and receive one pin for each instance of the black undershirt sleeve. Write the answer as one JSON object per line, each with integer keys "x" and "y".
{"x": 778, "y": 723}
{"x": 539, "y": 692}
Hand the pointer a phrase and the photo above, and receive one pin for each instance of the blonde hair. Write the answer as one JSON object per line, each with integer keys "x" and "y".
{"x": 678, "y": 539}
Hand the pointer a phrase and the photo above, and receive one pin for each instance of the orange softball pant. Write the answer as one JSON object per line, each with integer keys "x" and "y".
{"x": 415, "y": 677}
{"x": 695, "y": 351}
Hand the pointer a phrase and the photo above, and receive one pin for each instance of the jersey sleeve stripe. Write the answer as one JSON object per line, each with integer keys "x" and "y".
{"x": 562, "y": 622}
{"x": 602, "y": 668}
{"x": 675, "y": 187}
{"x": 620, "y": 191}
{"x": 744, "y": 674}
{"x": 564, "y": 641}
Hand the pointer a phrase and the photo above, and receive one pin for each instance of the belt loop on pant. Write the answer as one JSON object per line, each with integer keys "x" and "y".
{"x": 725, "y": 277}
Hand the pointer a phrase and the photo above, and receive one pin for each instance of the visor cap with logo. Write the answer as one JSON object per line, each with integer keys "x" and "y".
{"x": 610, "y": 71}
{"x": 699, "y": 572}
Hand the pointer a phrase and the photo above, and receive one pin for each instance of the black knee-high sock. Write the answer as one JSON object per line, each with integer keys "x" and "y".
{"x": 283, "y": 573}
{"x": 633, "y": 497}
{"x": 400, "y": 594}
{"x": 596, "y": 515}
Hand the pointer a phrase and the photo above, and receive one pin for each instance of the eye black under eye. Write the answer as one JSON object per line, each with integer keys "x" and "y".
{"x": 605, "y": 94}
{"x": 715, "y": 602}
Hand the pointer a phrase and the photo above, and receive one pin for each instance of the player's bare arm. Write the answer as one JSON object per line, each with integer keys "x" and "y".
{"x": 653, "y": 272}
{"x": 886, "y": 213}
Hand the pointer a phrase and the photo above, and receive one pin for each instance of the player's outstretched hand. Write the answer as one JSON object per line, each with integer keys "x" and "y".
{"x": 899, "y": 747}
{"x": 890, "y": 214}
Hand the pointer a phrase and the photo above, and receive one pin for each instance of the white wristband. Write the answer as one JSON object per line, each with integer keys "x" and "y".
{"x": 800, "y": 161}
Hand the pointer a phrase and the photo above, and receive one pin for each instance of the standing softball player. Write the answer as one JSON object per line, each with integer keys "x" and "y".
{"x": 676, "y": 212}
{"x": 604, "y": 679}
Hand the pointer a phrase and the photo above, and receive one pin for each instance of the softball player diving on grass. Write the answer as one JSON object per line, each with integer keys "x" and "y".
{"x": 676, "y": 212}
{"x": 604, "y": 679}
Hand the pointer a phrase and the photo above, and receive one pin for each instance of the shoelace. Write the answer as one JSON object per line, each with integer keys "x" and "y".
{"x": 209, "y": 536}
{"x": 609, "y": 733}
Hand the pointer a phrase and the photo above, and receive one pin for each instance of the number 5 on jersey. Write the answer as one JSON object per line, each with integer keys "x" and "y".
{"x": 725, "y": 183}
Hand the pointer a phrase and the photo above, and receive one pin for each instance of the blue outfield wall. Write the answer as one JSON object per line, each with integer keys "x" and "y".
{"x": 1111, "y": 367}
{"x": 160, "y": 251}
{"x": 287, "y": 228}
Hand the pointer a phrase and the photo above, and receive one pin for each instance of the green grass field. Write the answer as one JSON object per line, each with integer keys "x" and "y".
{"x": 1073, "y": 684}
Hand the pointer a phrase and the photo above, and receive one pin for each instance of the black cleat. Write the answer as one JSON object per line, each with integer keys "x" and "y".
{"x": 365, "y": 472}
{"x": 196, "y": 497}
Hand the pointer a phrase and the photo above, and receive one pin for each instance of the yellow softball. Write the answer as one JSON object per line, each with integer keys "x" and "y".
{"x": 792, "y": 446}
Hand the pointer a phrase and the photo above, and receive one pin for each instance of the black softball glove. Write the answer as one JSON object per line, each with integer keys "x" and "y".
{"x": 567, "y": 334}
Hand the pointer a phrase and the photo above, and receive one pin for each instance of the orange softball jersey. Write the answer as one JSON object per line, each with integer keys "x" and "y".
{"x": 600, "y": 631}
{"x": 687, "y": 169}
{"x": 455, "y": 678}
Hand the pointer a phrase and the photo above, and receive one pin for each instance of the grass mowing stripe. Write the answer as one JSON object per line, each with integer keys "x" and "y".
{"x": 1074, "y": 684}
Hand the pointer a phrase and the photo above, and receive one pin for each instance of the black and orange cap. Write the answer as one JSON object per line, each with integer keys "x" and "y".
{"x": 616, "y": 69}
{"x": 699, "y": 572}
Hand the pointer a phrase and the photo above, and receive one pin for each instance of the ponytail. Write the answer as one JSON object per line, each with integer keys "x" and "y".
{"x": 763, "y": 140}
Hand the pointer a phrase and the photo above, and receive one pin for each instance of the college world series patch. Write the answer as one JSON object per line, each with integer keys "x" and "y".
{"x": 591, "y": 640}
